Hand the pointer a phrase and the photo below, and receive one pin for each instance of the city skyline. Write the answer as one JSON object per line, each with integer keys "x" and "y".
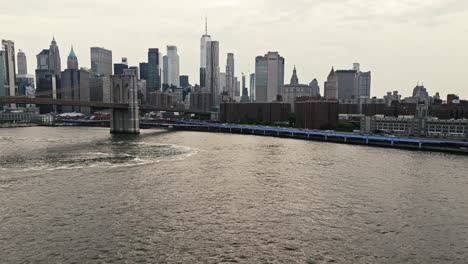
{"x": 421, "y": 49}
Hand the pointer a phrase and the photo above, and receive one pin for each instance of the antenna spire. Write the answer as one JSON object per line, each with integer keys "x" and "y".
{"x": 206, "y": 25}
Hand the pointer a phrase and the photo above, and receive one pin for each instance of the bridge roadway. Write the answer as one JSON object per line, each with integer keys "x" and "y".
{"x": 50, "y": 101}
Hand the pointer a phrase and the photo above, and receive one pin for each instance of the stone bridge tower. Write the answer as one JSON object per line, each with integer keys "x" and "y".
{"x": 124, "y": 91}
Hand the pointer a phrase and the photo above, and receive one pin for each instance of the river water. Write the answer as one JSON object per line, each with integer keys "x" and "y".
{"x": 81, "y": 195}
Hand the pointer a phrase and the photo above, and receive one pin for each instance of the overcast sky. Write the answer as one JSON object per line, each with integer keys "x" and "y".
{"x": 400, "y": 41}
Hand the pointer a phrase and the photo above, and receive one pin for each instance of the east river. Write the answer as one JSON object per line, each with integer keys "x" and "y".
{"x": 81, "y": 195}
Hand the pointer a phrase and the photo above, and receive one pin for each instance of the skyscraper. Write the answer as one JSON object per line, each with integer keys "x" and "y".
{"x": 165, "y": 73}
{"x": 120, "y": 67}
{"x": 143, "y": 70}
{"x": 269, "y": 77}
{"x": 363, "y": 86}
{"x": 331, "y": 86}
{"x": 2, "y": 75}
{"x": 203, "y": 55}
{"x": 230, "y": 73}
{"x": 72, "y": 60}
{"x": 9, "y": 68}
{"x": 347, "y": 84}
{"x": 184, "y": 81}
{"x": 101, "y": 61}
{"x": 252, "y": 87}
{"x": 22, "y": 63}
{"x": 173, "y": 66}
{"x": 315, "y": 87}
{"x": 212, "y": 71}
{"x": 55, "y": 64}
{"x": 154, "y": 78}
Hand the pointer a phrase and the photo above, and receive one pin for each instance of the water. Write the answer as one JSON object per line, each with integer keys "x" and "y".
{"x": 81, "y": 195}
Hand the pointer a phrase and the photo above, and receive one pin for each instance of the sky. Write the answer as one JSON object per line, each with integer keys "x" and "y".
{"x": 402, "y": 42}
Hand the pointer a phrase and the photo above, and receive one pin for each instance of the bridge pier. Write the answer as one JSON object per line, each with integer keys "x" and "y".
{"x": 124, "y": 91}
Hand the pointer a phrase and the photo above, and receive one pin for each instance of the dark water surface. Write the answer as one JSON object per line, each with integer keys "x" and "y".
{"x": 81, "y": 195}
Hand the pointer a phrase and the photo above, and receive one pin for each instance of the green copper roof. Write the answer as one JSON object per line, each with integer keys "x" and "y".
{"x": 72, "y": 53}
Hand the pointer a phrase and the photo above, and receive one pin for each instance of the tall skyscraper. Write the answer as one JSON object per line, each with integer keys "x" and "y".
{"x": 347, "y": 84}
{"x": 331, "y": 86}
{"x": 2, "y": 74}
{"x": 245, "y": 93}
{"x": 9, "y": 68}
{"x": 203, "y": 55}
{"x": 269, "y": 77}
{"x": 252, "y": 87}
{"x": 165, "y": 72}
{"x": 55, "y": 64}
{"x": 363, "y": 86}
{"x": 212, "y": 71}
{"x": 143, "y": 70}
{"x": 154, "y": 78}
{"x": 173, "y": 66}
{"x": 101, "y": 61}
{"x": 22, "y": 63}
{"x": 72, "y": 60}
{"x": 222, "y": 83}
{"x": 230, "y": 73}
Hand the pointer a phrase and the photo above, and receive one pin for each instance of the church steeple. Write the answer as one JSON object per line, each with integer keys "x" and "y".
{"x": 294, "y": 79}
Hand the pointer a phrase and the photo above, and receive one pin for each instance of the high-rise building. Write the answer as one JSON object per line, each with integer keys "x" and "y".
{"x": 331, "y": 86}
{"x": 22, "y": 63}
{"x": 154, "y": 77}
{"x": 347, "y": 83}
{"x": 269, "y": 77}
{"x": 100, "y": 89}
{"x": 315, "y": 88}
{"x": 75, "y": 86}
{"x": 173, "y": 71}
{"x": 101, "y": 61}
{"x": 184, "y": 81}
{"x": 230, "y": 73}
{"x": 245, "y": 94}
{"x": 222, "y": 83}
{"x": 143, "y": 70}
{"x": 363, "y": 86}
{"x": 212, "y": 71}
{"x": 120, "y": 67}
{"x": 165, "y": 71}
{"x": 203, "y": 55}
{"x": 252, "y": 87}
{"x": 55, "y": 64}
{"x": 9, "y": 68}
{"x": 2, "y": 75}
{"x": 136, "y": 70}
{"x": 43, "y": 60}
{"x": 72, "y": 60}
{"x": 237, "y": 91}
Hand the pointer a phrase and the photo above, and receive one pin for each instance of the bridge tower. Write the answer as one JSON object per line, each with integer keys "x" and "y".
{"x": 124, "y": 91}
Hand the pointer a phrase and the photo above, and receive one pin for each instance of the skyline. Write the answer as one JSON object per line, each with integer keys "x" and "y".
{"x": 425, "y": 44}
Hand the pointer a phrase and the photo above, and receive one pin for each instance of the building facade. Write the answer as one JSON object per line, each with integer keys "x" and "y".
{"x": 213, "y": 72}
{"x": 294, "y": 90}
{"x": 331, "y": 86}
{"x": 173, "y": 67}
{"x": 101, "y": 61}
{"x": 22, "y": 63}
{"x": 154, "y": 76}
{"x": 269, "y": 77}
{"x": 230, "y": 74}
{"x": 205, "y": 39}
{"x": 8, "y": 68}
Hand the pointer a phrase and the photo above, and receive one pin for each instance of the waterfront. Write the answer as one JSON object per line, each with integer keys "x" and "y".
{"x": 79, "y": 195}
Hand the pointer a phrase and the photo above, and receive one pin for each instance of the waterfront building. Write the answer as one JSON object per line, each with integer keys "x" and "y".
{"x": 331, "y": 86}
{"x": 101, "y": 61}
{"x": 22, "y": 63}
{"x": 173, "y": 67}
{"x": 154, "y": 75}
{"x": 25, "y": 83}
{"x": 317, "y": 114}
{"x": 269, "y": 77}
{"x": 347, "y": 83}
{"x": 75, "y": 85}
{"x": 212, "y": 72}
{"x": 8, "y": 68}
{"x": 255, "y": 113}
{"x": 203, "y": 55}
{"x": 230, "y": 74}
{"x": 201, "y": 101}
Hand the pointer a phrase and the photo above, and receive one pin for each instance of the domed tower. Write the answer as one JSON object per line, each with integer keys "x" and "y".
{"x": 72, "y": 61}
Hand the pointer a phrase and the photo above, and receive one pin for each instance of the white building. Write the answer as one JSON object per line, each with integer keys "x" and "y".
{"x": 173, "y": 67}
